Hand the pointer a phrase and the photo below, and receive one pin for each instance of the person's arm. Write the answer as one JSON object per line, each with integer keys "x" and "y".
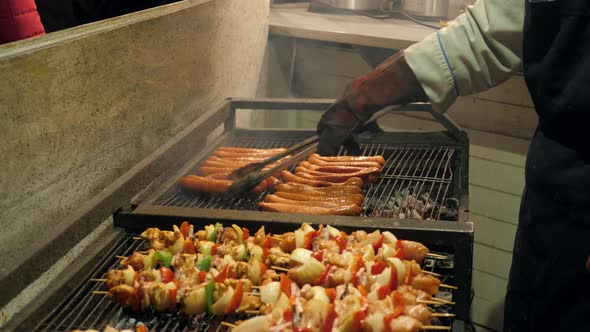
{"x": 479, "y": 50}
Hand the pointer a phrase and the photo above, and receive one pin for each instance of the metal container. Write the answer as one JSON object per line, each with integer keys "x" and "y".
{"x": 426, "y": 8}
{"x": 354, "y": 4}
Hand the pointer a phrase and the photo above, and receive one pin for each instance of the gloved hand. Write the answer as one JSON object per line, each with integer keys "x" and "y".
{"x": 392, "y": 83}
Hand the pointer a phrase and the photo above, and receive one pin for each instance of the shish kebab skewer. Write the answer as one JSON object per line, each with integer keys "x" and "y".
{"x": 281, "y": 296}
{"x": 343, "y": 309}
{"x": 367, "y": 241}
{"x": 392, "y": 267}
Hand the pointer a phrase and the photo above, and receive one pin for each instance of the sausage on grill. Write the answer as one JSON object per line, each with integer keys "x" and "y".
{"x": 345, "y": 199}
{"x": 203, "y": 184}
{"x": 368, "y": 174}
{"x": 300, "y": 188}
{"x": 377, "y": 159}
{"x": 290, "y": 177}
{"x": 348, "y": 210}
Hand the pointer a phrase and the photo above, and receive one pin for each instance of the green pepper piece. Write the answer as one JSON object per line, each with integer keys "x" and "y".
{"x": 245, "y": 254}
{"x": 214, "y": 233}
{"x": 209, "y": 290}
{"x": 164, "y": 257}
{"x": 205, "y": 263}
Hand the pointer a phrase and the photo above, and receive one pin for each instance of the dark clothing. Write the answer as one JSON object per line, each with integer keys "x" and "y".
{"x": 63, "y": 14}
{"x": 549, "y": 287}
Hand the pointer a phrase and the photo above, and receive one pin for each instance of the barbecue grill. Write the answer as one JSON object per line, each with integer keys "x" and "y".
{"x": 421, "y": 195}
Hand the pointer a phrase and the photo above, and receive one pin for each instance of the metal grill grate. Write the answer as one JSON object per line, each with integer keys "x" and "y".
{"x": 83, "y": 310}
{"x": 416, "y": 182}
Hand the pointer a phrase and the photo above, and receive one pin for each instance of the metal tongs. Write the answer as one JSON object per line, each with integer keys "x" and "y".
{"x": 249, "y": 176}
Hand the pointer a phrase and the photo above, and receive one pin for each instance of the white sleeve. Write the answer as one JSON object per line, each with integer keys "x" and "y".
{"x": 478, "y": 50}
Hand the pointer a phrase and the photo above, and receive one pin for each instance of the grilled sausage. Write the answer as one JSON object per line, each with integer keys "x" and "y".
{"x": 228, "y": 154}
{"x": 367, "y": 174}
{"x": 332, "y": 169}
{"x": 242, "y": 158}
{"x": 209, "y": 170}
{"x": 350, "y": 210}
{"x": 319, "y": 162}
{"x": 251, "y": 150}
{"x": 277, "y": 199}
{"x": 302, "y": 188}
{"x": 377, "y": 159}
{"x": 203, "y": 184}
{"x": 343, "y": 199}
{"x": 290, "y": 177}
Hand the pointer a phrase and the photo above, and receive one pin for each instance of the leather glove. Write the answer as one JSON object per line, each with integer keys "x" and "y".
{"x": 392, "y": 83}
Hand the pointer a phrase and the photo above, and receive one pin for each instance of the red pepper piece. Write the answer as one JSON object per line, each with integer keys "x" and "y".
{"x": 378, "y": 267}
{"x": 378, "y": 242}
{"x": 202, "y": 276}
{"x": 308, "y": 239}
{"x": 330, "y": 318}
{"x": 184, "y": 229}
{"x": 166, "y": 274}
{"x": 222, "y": 275}
{"x": 321, "y": 279}
{"x": 399, "y": 253}
{"x": 331, "y": 294}
{"x": 265, "y": 248}
{"x": 188, "y": 247}
{"x": 319, "y": 255}
{"x": 214, "y": 248}
{"x": 246, "y": 233}
{"x": 393, "y": 282}
{"x": 172, "y": 293}
{"x": 383, "y": 292}
{"x": 358, "y": 318}
{"x": 236, "y": 299}
{"x": 356, "y": 266}
{"x": 341, "y": 243}
{"x": 286, "y": 285}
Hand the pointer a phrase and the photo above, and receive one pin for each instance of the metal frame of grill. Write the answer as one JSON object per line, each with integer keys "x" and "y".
{"x": 141, "y": 187}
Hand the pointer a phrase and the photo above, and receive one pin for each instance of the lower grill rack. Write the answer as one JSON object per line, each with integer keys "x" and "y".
{"x": 82, "y": 309}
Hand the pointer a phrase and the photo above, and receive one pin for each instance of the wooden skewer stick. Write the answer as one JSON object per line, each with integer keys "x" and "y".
{"x": 448, "y": 286}
{"x": 432, "y": 273}
{"x": 256, "y": 287}
{"x": 98, "y": 280}
{"x": 137, "y": 238}
{"x": 233, "y": 326}
{"x": 439, "y": 314}
{"x": 436, "y": 256}
{"x": 98, "y": 292}
{"x": 279, "y": 268}
{"x": 252, "y": 312}
{"x": 121, "y": 257}
{"x": 428, "y": 302}
{"x": 252, "y": 293}
{"x": 443, "y": 301}
{"x": 276, "y": 238}
{"x": 434, "y": 327}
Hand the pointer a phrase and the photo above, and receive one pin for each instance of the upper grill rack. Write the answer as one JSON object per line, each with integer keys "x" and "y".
{"x": 416, "y": 182}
